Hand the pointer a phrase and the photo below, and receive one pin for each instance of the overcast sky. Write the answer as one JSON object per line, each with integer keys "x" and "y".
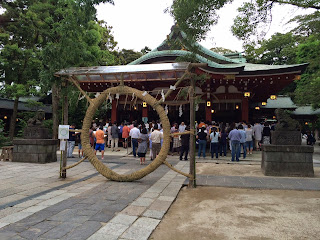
{"x": 140, "y": 23}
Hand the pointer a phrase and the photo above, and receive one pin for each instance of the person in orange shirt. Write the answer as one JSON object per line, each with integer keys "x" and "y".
{"x": 125, "y": 134}
{"x": 100, "y": 141}
{"x": 201, "y": 124}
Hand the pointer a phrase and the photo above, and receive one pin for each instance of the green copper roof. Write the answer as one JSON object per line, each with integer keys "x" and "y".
{"x": 181, "y": 53}
{"x": 306, "y": 110}
{"x": 214, "y": 60}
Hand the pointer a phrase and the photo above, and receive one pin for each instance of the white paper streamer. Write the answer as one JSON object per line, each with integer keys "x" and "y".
{"x": 197, "y": 107}
{"x": 117, "y": 95}
{"x": 172, "y": 87}
{"x": 180, "y": 111}
{"x": 97, "y": 94}
{"x": 166, "y": 109}
{"x": 132, "y": 96}
{"x": 162, "y": 95}
{"x": 110, "y": 98}
{"x": 144, "y": 93}
{"x": 82, "y": 97}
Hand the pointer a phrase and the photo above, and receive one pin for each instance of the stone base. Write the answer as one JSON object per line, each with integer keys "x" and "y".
{"x": 36, "y": 133}
{"x": 35, "y": 150}
{"x": 286, "y": 160}
{"x": 286, "y": 137}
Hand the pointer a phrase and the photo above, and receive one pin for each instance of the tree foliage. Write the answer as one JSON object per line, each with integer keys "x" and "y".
{"x": 279, "y": 49}
{"x": 195, "y": 17}
{"x": 39, "y": 38}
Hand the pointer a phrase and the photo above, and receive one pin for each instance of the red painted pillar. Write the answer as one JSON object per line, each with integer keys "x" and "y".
{"x": 114, "y": 111}
{"x": 245, "y": 110}
{"x": 208, "y": 113}
{"x": 145, "y": 112}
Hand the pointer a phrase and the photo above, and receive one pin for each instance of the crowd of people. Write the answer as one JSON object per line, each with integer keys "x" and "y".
{"x": 238, "y": 137}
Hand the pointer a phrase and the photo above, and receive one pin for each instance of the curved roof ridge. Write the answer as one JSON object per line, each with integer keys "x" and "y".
{"x": 154, "y": 54}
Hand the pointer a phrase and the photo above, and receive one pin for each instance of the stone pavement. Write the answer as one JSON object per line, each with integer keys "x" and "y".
{"x": 36, "y": 204}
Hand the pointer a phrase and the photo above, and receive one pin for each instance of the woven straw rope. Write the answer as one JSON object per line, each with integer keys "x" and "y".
{"x": 103, "y": 169}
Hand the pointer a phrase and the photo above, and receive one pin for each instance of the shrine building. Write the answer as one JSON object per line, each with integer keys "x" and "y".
{"x": 228, "y": 89}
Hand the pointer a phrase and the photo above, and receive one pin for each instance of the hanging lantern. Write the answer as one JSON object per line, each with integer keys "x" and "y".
{"x": 237, "y": 106}
{"x": 5, "y": 117}
{"x": 247, "y": 94}
{"x": 208, "y": 104}
{"x": 257, "y": 108}
{"x": 144, "y": 104}
{"x": 273, "y": 97}
{"x": 263, "y": 103}
{"x": 212, "y": 110}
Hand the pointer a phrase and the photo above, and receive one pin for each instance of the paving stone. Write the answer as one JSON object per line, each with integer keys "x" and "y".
{"x": 3, "y": 224}
{"x": 84, "y": 231}
{"x": 38, "y": 229}
{"x": 102, "y": 216}
{"x": 34, "y": 209}
{"x": 134, "y": 210}
{"x": 28, "y": 203}
{"x": 114, "y": 229}
{"x": 154, "y": 214}
{"x": 143, "y": 202}
{"x": 124, "y": 219}
{"x": 159, "y": 205}
{"x": 7, "y": 235}
{"x": 166, "y": 198}
{"x": 103, "y": 236}
{"x": 15, "y": 217}
{"x": 14, "y": 227}
{"x": 150, "y": 195}
{"x": 60, "y": 231}
{"x": 116, "y": 207}
{"x": 141, "y": 229}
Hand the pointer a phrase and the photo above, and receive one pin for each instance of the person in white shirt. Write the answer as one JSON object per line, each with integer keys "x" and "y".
{"x": 156, "y": 137}
{"x": 257, "y": 133}
{"x": 134, "y": 134}
{"x": 182, "y": 127}
{"x": 249, "y": 139}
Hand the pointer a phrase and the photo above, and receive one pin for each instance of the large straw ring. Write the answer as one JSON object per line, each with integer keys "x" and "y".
{"x": 103, "y": 169}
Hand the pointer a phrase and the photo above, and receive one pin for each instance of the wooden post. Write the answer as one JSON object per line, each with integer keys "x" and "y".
{"x": 65, "y": 122}
{"x": 192, "y": 136}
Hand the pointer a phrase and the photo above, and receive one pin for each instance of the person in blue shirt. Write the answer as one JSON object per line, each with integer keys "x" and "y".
{"x": 243, "y": 141}
{"x": 214, "y": 142}
{"x": 235, "y": 137}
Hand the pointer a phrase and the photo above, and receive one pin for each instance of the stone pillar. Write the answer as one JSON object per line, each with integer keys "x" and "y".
{"x": 114, "y": 112}
{"x": 245, "y": 110}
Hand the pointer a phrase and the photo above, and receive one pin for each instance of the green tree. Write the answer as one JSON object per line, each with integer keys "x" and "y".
{"x": 60, "y": 34}
{"x": 308, "y": 87}
{"x": 279, "y": 49}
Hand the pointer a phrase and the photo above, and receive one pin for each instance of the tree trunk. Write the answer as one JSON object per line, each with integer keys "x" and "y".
{"x": 55, "y": 110}
{"x": 13, "y": 119}
{"x": 192, "y": 136}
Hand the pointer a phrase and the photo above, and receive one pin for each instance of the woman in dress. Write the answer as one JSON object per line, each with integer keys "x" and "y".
{"x": 143, "y": 145}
